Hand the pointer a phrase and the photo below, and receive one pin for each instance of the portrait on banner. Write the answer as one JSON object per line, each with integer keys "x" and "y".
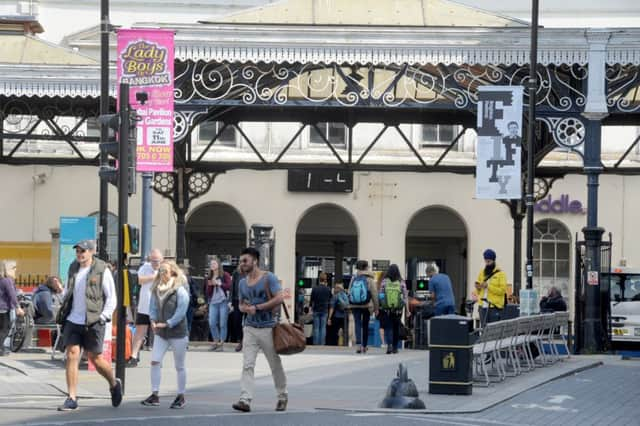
{"x": 499, "y": 148}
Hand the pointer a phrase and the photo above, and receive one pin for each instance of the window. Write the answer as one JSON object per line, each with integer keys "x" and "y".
{"x": 438, "y": 134}
{"x": 209, "y": 129}
{"x": 112, "y": 233}
{"x": 551, "y": 256}
{"x": 336, "y": 134}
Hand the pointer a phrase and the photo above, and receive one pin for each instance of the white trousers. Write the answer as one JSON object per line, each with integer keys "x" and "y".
{"x": 160, "y": 347}
{"x": 254, "y": 340}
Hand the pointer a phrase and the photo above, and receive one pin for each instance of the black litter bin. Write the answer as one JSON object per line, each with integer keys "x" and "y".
{"x": 451, "y": 355}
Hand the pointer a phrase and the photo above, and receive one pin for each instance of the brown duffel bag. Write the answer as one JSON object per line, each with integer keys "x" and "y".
{"x": 288, "y": 337}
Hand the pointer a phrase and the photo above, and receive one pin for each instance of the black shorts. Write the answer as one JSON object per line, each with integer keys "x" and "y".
{"x": 90, "y": 338}
{"x": 142, "y": 319}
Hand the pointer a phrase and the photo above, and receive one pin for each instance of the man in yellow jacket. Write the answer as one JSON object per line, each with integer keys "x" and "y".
{"x": 491, "y": 287}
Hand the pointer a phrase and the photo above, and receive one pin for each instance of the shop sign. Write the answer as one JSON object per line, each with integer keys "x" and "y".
{"x": 563, "y": 205}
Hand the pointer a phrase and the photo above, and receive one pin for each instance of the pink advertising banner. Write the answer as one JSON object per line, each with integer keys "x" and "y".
{"x": 145, "y": 62}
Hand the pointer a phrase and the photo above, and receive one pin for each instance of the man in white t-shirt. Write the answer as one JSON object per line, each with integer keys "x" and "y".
{"x": 89, "y": 302}
{"x": 146, "y": 274}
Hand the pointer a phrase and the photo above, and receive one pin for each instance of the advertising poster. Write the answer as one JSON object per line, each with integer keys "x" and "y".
{"x": 498, "y": 167}
{"x": 72, "y": 230}
{"x": 145, "y": 62}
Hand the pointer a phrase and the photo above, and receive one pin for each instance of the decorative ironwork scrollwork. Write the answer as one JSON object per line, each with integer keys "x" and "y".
{"x": 623, "y": 87}
{"x": 542, "y": 186}
{"x": 163, "y": 184}
{"x": 183, "y": 122}
{"x": 197, "y": 184}
{"x": 567, "y": 132}
{"x": 560, "y": 86}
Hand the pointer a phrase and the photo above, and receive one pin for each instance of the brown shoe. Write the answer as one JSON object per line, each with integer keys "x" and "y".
{"x": 242, "y": 406}
{"x": 282, "y": 405}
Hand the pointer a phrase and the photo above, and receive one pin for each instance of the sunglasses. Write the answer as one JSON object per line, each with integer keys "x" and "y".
{"x": 163, "y": 270}
{"x": 79, "y": 250}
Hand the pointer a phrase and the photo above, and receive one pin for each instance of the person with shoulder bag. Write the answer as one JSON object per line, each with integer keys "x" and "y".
{"x": 260, "y": 295}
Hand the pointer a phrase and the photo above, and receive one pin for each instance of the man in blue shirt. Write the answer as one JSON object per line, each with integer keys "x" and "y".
{"x": 441, "y": 290}
{"x": 260, "y": 296}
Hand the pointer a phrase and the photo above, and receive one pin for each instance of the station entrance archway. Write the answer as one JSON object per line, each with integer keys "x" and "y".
{"x": 326, "y": 232}
{"x": 437, "y": 234}
{"x": 214, "y": 228}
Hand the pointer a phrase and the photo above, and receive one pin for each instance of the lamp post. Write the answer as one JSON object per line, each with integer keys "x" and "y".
{"x": 103, "y": 217}
{"x": 532, "y": 86}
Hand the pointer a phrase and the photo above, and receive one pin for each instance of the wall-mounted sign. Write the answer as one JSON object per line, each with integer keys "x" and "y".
{"x": 562, "y": 205}
{"x": 380, "y": 265}
{"x": 320, "y": 180}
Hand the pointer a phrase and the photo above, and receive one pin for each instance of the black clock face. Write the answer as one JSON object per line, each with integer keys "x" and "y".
{"x": 320, "y": 180}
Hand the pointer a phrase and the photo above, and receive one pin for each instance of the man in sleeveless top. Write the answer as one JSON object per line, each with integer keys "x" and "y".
{"x": 89, "y": 302}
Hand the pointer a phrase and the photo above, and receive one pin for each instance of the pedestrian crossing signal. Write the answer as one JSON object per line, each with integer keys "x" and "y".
{"x": 422, "y": 285}
{"x": 131, "y": 239}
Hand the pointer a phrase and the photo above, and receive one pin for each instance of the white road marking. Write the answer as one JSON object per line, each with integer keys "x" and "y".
{"x": 366, "y": 414}
{"x": 444, "y": 416}
{"x": 544, "y": 407}
{"x": 559, "y": 399}
{"x": 151, "y": 418}
{"x": 439, "y": 420}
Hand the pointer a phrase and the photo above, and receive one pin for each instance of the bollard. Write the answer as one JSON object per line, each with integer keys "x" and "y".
{"x": 402, "y": 392}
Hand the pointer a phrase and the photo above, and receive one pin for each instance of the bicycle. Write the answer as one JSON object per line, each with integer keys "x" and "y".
{"x": 21, "y": 326}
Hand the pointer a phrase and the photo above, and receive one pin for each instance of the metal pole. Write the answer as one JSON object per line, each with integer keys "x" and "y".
{"x": 594, "y": 333}
{"x": 104, "y": 129}
{"x": 517, "y": 253}
{"x": 123, "y": 211}
{"x": 533, "y": 84}
{"x": 147, "y": 209}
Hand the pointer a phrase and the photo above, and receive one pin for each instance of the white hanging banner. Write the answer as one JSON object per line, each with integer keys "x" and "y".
{"x": 498, "y": 167}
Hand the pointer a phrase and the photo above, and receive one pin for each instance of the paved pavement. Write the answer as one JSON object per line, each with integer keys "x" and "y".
{"x": 326, "y": 386}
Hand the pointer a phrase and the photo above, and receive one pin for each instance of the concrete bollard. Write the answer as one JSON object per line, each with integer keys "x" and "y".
{"x": 402, "y": 392}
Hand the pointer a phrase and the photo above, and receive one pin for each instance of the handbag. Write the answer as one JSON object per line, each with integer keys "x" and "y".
{"x": 403, "y": 332}
{"x": 288, "y": 337}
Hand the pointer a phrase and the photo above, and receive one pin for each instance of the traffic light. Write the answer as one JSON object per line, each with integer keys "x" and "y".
{"x": 304, "y": 283}
{"x": 110, "y": 173}
{"x": 422, "y": 285}
{"x": 125, "y": 119}
{"x": 131, "y": 238}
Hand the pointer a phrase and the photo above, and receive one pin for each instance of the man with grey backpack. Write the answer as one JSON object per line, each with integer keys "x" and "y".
{"x": 363, "y": 299}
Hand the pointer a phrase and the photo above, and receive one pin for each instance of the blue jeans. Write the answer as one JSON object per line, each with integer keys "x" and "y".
{"x": 361, "y": 322}
{"x": 218, "y": 316}
{"x": 319, "y": 328}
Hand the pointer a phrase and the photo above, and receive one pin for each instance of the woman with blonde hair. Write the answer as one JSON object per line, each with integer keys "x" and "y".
{"x": 168, "y": 315}
{"x": 8, "y": 300}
